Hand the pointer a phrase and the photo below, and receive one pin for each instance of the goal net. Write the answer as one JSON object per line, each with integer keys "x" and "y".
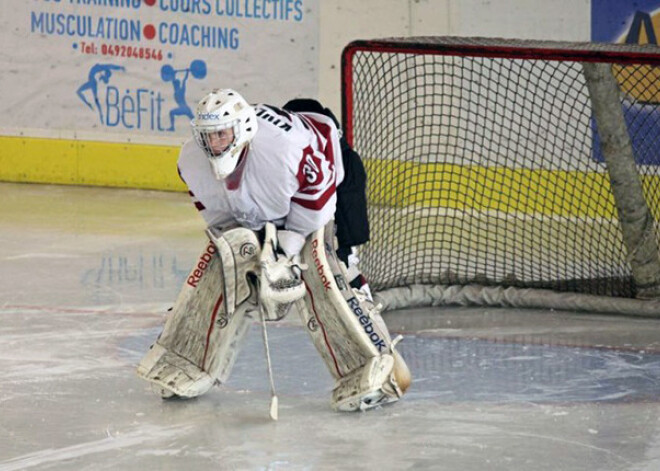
{"x": 493, "y": 180}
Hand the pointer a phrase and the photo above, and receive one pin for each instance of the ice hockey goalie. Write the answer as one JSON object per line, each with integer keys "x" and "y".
{"x": 221, "y": 298}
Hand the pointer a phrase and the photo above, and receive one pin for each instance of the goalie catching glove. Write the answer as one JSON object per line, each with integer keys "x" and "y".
{"x": 280, "y": 282}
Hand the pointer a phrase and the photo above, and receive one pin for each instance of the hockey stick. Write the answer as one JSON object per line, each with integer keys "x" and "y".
{"x": 273, "y": 398}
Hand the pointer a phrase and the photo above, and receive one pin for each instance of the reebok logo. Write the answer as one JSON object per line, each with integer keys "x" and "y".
{"x": 367, "y": 324}
{"x": 319, "y": 265}
{"x": 202, "y": 264}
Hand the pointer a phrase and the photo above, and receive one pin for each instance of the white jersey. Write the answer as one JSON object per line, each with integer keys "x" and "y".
{"x": 288, "y": 175}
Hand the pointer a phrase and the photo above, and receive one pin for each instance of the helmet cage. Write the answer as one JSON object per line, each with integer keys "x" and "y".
{"x": 203, "y": 134}
{"x": 219, "y": 110}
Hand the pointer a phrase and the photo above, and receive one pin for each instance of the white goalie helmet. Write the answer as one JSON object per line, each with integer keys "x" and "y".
{"x": 220, "y": 110}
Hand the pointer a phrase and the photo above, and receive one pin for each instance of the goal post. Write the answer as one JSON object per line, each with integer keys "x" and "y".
{"x": 508, "y": 172}
{"x": 637, "y": 223}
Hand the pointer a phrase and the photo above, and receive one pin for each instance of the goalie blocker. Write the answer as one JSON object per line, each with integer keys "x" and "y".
{"x": 205, "y": 330}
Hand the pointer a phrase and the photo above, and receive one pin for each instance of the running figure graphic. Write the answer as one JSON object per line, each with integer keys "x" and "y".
{"x": 101, "y": 72}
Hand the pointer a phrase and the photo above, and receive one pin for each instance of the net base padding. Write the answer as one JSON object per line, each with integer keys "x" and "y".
{"x": 509, "y": 297}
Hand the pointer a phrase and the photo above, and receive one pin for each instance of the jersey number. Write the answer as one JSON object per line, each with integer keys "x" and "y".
{"x": 311, "y": 167}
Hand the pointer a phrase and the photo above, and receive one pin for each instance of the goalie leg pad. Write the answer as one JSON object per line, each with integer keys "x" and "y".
{"x": 203, "y": 333}
{"x": 333, "y": 325}
{"x": 173, "y": 374}
{"x": 367, "y": 387}
{"x": 401, "y": 371}
{"x": 348, "y": 331}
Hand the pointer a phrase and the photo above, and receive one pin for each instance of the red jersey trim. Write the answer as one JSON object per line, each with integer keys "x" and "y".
{"x": 317, "y": 203}
{"x": 305, "y": 191}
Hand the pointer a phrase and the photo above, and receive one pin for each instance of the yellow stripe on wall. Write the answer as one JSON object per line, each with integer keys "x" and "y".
{"x": 508, "y": 190}
{"x": 391, "y": 183}
{"x": 75, "y": 162}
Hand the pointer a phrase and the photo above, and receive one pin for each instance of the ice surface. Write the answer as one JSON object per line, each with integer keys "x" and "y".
{"x": 88, "y": 274}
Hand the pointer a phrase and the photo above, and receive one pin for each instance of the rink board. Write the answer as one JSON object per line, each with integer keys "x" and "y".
{"x": 77, "y": 162}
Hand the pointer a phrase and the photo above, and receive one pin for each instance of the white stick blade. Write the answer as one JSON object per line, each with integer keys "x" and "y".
{"x": 273, "y": 408}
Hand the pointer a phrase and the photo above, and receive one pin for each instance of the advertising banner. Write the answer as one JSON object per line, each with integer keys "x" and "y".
{"x": 133, "y": 70}
{"x": 638, "y": 22}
